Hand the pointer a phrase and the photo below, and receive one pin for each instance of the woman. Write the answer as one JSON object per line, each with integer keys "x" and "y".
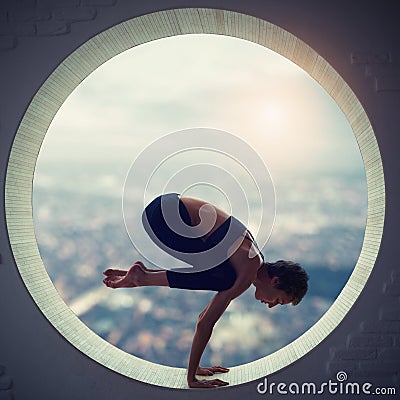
{"x": 225, "y": 258}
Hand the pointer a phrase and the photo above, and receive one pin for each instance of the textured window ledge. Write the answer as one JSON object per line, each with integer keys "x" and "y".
{"x": 68, "y": 76}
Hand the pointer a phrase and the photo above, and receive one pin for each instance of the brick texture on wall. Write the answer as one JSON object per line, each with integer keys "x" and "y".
{"x": 374, "y": 351}
{"x": 5, "y": 385}
{"x": 371, "y": 351}
{"x": 381, "y": 67}
{"x": 27, "y": 18}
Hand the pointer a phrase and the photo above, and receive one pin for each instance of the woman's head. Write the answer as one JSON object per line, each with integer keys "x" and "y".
{"x": 291, "y": 278}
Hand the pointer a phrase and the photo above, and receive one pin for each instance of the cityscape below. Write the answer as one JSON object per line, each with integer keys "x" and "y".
{"x": 80, "y": 234}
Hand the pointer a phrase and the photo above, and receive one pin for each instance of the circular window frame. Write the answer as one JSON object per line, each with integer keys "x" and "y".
{"x": 60, "y": 84}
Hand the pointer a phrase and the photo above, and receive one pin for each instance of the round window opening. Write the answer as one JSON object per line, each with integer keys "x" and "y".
{"x": 115, "y": 101}
{"x": 132, "y": 114}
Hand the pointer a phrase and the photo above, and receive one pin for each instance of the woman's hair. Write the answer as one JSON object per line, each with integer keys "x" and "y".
{"x": 292, "y": 278}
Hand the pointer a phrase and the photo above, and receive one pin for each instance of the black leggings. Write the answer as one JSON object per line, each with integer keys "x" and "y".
{"x": 157, "y": 218}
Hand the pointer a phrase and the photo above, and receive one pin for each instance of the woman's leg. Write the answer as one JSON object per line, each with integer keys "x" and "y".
{"x": 218, "y": 278}
{"x": 177, "y": 241}
{"x": 137, "y": 276}
{"x": 111, "y": 272}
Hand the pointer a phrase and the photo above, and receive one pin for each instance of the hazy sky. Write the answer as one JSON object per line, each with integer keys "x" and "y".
{"x": 203, "y": 81}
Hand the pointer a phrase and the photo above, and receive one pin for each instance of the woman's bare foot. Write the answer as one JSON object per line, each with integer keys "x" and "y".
{"x": 125, "y": 279}
{"x": 113, "y": 275}
{"x": 120, "y": 272}
{"x": 114, "y": 272}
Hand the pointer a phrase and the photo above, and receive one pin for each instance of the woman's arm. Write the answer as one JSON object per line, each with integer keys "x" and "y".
{"x": 245, "y": 268}
{"x": 204, "y": 328}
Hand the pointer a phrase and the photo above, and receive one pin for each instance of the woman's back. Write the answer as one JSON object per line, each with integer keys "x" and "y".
{"x": 207, "y": 217}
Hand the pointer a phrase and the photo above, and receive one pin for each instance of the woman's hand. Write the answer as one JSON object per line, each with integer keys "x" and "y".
{"x": 211, "y": 370}
{"x": 213, "y": 383}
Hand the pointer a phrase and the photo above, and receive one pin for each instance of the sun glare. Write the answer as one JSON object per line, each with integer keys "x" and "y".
{"x": 273, "y": 116}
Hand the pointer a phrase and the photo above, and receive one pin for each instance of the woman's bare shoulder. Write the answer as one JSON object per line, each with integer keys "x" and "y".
{"x": 245, "y": 262}
{"x": 194, "y": 204}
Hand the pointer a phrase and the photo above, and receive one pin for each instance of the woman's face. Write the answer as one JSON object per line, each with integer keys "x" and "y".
{"x": 267, "y": 293}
